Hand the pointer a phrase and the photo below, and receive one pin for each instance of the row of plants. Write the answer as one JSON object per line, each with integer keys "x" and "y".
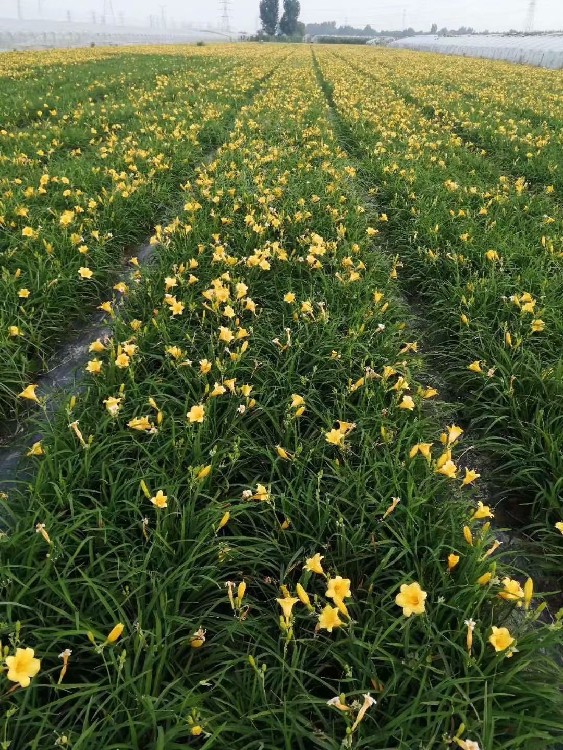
{"x": 478, "y": 253}
{"x": 257, "y": 524}
{"x": 92, "y": 175}
{"x": 494, "y": 108}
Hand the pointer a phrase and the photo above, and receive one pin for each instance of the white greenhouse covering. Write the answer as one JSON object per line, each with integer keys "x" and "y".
{"x": 545, "y": 50}
{"x": 21, "y": 35}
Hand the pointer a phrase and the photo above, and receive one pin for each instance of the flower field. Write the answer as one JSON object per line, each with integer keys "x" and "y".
{"x": 264, "y": 517}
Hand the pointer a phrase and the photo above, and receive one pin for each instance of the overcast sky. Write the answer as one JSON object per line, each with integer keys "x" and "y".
{"x": 495, "y": 15}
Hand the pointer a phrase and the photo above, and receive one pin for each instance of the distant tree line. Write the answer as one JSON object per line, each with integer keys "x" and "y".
{"x": 329, "y": 28}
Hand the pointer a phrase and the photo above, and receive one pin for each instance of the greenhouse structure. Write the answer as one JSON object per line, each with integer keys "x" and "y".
{"x": 542, "y": 50}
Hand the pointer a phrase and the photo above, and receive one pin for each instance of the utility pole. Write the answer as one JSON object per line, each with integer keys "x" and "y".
{"x": 530, "y": 17}
{"x": 404, "y": 19}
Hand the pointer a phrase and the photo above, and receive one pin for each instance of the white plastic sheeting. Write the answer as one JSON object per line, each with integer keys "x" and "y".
{"x": 22, "y": 35}
{"x": 545, "y": 51}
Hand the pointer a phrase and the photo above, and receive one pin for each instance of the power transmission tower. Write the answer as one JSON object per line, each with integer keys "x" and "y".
{"x": 20, "y": 11}
{"x": 163, "y": 15}
{"x": 108, "y": 11}
{"x": 224, "y": 24}
{"x": 530, "y": 16}
{"x": 404, "y": 18}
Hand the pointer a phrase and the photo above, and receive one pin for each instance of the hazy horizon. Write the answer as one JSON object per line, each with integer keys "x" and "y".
{"x": 243, "y": 14}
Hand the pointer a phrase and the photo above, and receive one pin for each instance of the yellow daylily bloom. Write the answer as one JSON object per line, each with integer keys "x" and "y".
{"x": 22, "y": 666}
{"x": 500, "y": 639}
{"x": 411, "y": 598}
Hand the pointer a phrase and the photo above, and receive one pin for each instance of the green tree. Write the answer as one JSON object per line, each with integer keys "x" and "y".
{"x": 269, "y": 12}
{"x": 290, "y": 17}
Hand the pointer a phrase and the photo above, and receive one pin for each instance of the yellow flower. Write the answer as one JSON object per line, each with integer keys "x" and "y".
{"x": 538, "y": 325}
{"x": 113, "y": 405}
{"x": 196, "y": 413}
{"x": 485, "y": 578}
{"x": 411, "y": 599}
{"x": 96, "y": 346}
{"x": 225, "y": 335}
{"x": 115, "y": 633}
{"x": 468, "y": 535}
{"x": 338, "y": 702}
{"x": 287, "y": 604}
{"x": 204, "y": 366}
{"x": 23, "y": 666}
{"x": 14, "y": 331}
{"x": 512, "y": 591}
{"x": 559, "y": 526}
{"x": 422, "y": 448}
{"x": 289, "y": 298}
{"x": 122, "y": 360}
{"x": 203, "y": 473}
{"x": 470, "y": 476}
{"x": 296, "y": 401}
{"x": 329, "y": 619}
{"x": 500, "y": 639}
{"x": 335, "y": 437}
{"x": 261, "y": 493}
{"x": 368, "y": 701}
{"x": 338, "y": 588}
{"x": 85, "y": 273}
{"x": 24, "y": 293}
{"x": 94, "y": 366}
{"x": 453, "y": 560}
{"x": 475, "y": 366}
{"x": 282, "y": 453}
{"x": 218, "y": 390}
{"x": 407, "y": 403}
{"x": 528, "y": 592}
{"x": 483, "y": 511}
{"x": 453, "y": 433}
{"x": 224, "y": 520}
{"x": 313, "y": 564}
{"x": 469, "y": 636}
{"x": 140, "y": 423}
{"x": 160, "y": 500}
{"x": 428, "y": 392}
{"x": 198, "y": 638}
{"x": 448, "y": 469}
{"x": 29, "y": 393}
{"x": 241, "y": 590}
{"x": 303, "y": 596}
{"x": 36, "y": 449}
